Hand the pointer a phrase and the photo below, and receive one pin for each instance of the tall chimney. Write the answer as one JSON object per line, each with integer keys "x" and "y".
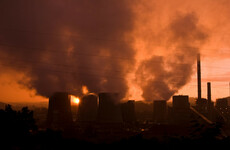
{"x": 198, "y": 77}
{"x": 209, "y": 93}
{"x": 209, "y": 106}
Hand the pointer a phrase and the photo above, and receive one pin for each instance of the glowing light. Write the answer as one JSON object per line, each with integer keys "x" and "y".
{"x": 75, "y": 100}
{"x": 85, "y": 90}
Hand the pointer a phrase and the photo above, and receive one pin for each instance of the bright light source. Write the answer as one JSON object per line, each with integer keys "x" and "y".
{"x": 75, "y": 100}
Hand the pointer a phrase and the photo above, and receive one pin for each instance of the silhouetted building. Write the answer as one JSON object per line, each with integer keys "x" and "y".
{"x": 181, "y": 102}
{"x": 159, "y": 111}
{"x": 59, "y": 111}
{"x": 87, "y": 111}
{"x": 144, "y": 111}
{"x": 223, "y": 107}
{"x": 128, "y": 111}
{"x": 211, "y": 113}
{"x": 109, "y": 109}
{"x": 181, "y": 109}
{"x": 223, "y": 102}
{"x": 201, "y": 105}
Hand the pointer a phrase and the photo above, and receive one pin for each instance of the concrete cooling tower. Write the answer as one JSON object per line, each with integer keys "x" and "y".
{"x": 109, "y": 109}
{"x": 159, "y": 111}
{"x": 128, "y": 111}
{"x": 87, "y": 109}
{"x": 59, "y": 112}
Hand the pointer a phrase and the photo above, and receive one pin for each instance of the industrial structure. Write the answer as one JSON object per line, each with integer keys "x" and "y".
{"x": 223, "y": 107}
{"x": 181, "y": 109}
{"x": 87, "y": 110}
{"x": 105, "y": 112}
{"x": 159, "y": 111}
{"x": 59, "y": 111}
{"x": 201, "y": 103}
{"x": 128, "y": 111}
{"x": 109, "y": 110}
{"x": 198, "y": 79}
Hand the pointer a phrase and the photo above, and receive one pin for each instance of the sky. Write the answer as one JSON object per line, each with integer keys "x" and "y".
{"x": 142, "y": 49}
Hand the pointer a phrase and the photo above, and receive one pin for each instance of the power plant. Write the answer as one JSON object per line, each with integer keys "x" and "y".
{"x": 106, "y": 113}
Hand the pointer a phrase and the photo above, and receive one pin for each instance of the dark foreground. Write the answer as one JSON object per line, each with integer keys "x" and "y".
{"x": 18, "y": 131}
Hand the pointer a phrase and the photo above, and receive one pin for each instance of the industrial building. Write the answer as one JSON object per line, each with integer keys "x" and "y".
{"x": 223, "y": 103}
{"x": 181, "y": 112}
{"x": 223, "y": 107}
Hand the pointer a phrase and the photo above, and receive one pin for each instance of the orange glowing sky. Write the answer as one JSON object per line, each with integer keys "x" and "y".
{"x": 153, "y": 18}
{"x": 149, "y": 36}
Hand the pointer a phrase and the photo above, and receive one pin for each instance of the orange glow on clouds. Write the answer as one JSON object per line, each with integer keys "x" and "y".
{"x": 84, "y": 90}
{"x": 12, "y": 91}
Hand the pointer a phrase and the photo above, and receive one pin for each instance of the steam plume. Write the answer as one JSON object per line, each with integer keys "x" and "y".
{"x": 63, "y": 45}
{"x": 162, "y": 76}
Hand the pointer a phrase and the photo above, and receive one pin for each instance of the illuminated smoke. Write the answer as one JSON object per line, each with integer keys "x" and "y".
{"x": 84, "y": 90}
{"x": 62, "y": 45}
{"x": 162, "y": 76}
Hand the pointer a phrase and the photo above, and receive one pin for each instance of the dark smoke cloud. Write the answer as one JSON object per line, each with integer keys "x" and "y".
{"x": 162, "y": 76}
{"x": 64, "y": 44}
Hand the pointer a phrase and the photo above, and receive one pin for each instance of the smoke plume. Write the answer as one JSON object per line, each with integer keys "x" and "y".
{"x": 160, "y": 76}
{"x": 62, "y": 45}
{"x": 109, "y": 46}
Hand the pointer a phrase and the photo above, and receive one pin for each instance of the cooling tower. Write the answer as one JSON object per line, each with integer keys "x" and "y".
{"x": 159, "y": 111}
{"x": 87, "y": 111}
{"x": 109, "y": 109}
{"x": 128, "y": 111}
{"x": 59, "y": 112}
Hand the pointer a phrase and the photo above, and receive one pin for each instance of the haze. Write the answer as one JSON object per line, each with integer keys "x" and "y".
{"x": 143, "y": 49}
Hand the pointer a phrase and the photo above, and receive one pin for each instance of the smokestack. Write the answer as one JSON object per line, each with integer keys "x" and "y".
{"x": 209, "y": 93}
{"x": 198, "y": 77}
